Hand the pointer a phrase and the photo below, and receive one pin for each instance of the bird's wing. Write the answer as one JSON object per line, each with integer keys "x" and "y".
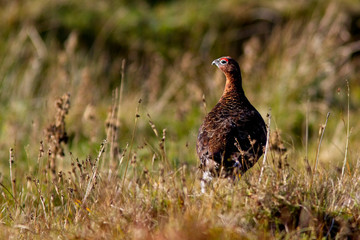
{"x": 249, "y": 134}
{"x": 213, "y": 137}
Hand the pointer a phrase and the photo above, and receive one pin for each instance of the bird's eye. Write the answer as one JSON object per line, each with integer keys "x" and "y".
{"x": 223, "y": 62}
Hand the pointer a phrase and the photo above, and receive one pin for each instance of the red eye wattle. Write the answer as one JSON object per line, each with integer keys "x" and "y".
{"x": 223, "y": 61}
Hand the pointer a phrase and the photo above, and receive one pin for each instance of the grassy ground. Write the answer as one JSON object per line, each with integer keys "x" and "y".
{"x": 101, "y": 102}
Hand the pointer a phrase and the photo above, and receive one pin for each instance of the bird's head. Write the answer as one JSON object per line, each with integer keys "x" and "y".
{"x": 228, "y": 65}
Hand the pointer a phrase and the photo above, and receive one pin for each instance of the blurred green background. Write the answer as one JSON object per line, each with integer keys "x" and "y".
{"x": 296, "y": 57}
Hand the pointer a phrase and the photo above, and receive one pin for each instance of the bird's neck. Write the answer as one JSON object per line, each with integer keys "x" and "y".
{"x": 233, "y": 86}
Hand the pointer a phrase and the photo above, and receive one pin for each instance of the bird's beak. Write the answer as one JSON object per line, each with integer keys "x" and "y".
{"x": 215, "y": 62}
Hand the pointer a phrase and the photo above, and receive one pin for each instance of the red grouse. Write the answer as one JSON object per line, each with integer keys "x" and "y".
{"x": 233, "y": 135}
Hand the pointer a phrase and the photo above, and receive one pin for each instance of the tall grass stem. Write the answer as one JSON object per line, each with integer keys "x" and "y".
{"x": 322, "y": 129}
{"x": 266, "y": 146}
{"x": 12, "y": 178}
{"x": 347, "y": 129}
{"x": 132, "y": 142}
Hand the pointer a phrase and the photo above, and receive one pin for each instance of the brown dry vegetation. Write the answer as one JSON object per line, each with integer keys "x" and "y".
{"x": 101, "y": 102}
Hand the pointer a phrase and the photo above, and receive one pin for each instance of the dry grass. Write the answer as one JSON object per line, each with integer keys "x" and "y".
{"x": 165, "y": 202}
{"x": 111, "y": 166}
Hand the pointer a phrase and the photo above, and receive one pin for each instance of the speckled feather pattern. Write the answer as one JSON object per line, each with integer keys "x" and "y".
{"x": 233, "y": 134}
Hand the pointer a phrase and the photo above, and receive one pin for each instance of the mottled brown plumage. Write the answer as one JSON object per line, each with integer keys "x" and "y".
{"x": 233, "y": 135}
